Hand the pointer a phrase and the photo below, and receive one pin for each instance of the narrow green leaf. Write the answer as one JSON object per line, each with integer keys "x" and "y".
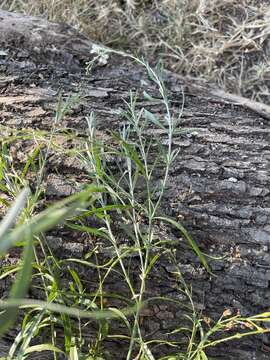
{"x": 13, "y": 213}
{"x": 20, "y": 287}
{"x": 31, "y": 161}
{"x": 98, "y": 161}
{"x": 119, "y": 314}
{"x": 147, "y": 352}
{"x": 101, "y": 210}
{"x": 5, "y": 190}
{"x": 62, "y": 309}
{"x": 104, "y": 328}
{"x": 203, "y": 355}
{"x": 42, "y": 347}
{"x": 47, "y": 219}
{"x": 148, "y": 96}
{"x": 152, "y": 263}
{"x": 67, "y": 331}
{"x": 87, "y": 229}
{"x": 132, "y": 153}
{"x": 151, "y": 117}
{"x": 190, "y": 240}
{"x": 10, "y": 270}
{"x": 76, "y": 279}
{"x": 265, "y": 316}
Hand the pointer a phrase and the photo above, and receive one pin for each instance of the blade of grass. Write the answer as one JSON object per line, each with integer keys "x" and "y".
{"x": 20, "y": 287}
{"x": 42, "y": 347}
{"x": 47, "y": 219}
{"x": 13, "y": 213}
{"x": 189, "y": 238}
{"x": 62, "y": 309}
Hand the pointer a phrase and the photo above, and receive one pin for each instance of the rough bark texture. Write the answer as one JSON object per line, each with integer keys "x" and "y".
{"x": 218, "y": 187}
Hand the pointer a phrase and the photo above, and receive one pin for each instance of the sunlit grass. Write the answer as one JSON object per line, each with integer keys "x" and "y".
{"x": 224, "y": 42}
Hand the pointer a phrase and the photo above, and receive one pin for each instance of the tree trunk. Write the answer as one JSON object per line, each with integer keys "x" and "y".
{"x": 218, "y": 187}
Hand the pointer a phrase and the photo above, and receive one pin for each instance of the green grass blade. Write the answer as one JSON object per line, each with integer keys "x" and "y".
{"x": 62, "y": 309}
{"x": 151, "y": 117}
{"x": 42, "y": 347}
{"x": 47, "y": 219}
{"x": 13, "y": 213}
{"x": 87, "y": 229}
{"x": 20, "y": 287}
{"x": 131, "y": 152}
{"x": 67, "y": 331}
{"x": 189, "y": 238}
{"x": 31, "y": 161}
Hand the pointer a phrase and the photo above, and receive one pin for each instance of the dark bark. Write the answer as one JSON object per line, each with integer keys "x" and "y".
{"x": 218, "y": 187}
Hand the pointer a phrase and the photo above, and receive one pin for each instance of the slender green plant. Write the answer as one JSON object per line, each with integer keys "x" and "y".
{"x": 22, "y": 227}
{"x": 128, "y": 178}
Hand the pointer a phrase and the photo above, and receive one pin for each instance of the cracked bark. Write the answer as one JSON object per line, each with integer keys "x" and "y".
{"x": 218, "y": 186}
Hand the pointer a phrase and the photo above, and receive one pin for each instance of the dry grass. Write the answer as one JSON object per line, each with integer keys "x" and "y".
{"x": 222, "y": 41}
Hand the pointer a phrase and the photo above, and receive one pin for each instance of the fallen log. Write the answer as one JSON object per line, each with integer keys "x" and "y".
{"x": 218, "y": 187}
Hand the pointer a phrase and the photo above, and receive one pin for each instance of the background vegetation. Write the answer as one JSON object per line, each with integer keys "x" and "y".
{"x": 226, "y": 42}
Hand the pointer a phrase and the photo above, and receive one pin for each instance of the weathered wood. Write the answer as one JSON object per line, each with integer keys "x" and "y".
{"x": 36, "y": 38}
{"x": 218, "y": 187}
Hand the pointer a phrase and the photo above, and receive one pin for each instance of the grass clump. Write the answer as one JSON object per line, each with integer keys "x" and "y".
{"x": 75, "y": 316}
{"x": 222, "y": 42}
